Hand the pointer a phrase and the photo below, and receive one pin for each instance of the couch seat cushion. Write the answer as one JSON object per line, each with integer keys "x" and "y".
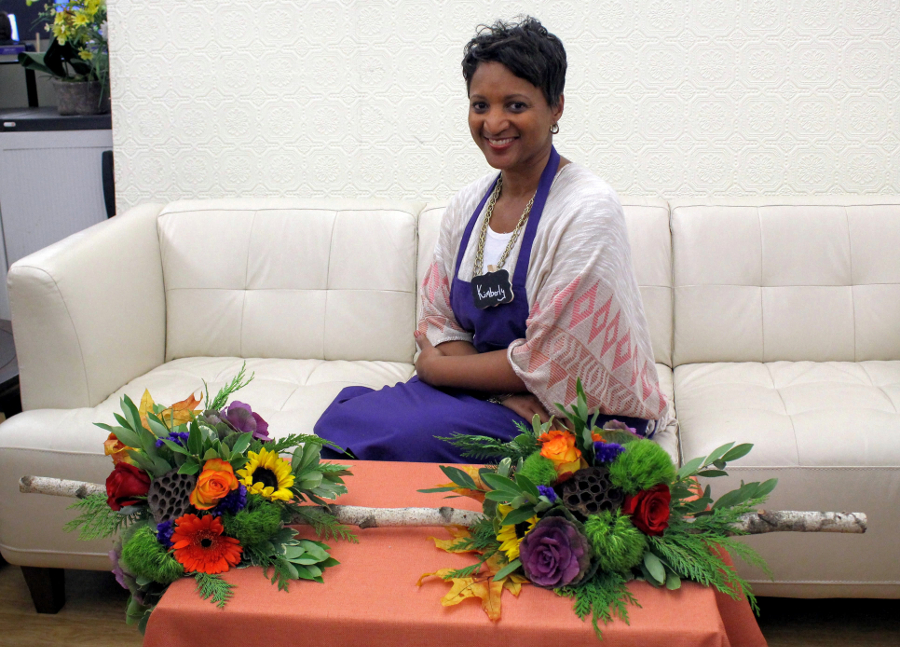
{"x": 809, "y": 414}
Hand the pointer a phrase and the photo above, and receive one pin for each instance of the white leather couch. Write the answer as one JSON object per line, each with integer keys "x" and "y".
{"x": 781, "y": 320}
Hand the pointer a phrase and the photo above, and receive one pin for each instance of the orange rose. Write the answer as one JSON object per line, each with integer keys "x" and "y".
{"x": 559, "y": 447}
{"x": 214, "y": 483}
{"x": 118, "y": 450}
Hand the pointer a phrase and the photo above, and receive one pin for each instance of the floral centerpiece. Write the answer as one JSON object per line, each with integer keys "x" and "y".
{"x": 78, "y": 55}
{"x": 584, "y": 510}
{"x": 195, "y": 493}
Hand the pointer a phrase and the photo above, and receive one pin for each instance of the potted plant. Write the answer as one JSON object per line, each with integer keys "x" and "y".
{"x": 78, "y": 56}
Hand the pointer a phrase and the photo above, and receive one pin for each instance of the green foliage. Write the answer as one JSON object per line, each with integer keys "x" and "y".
{"x": 539, "y": 470}
{"x": 484, "y": 540}
{"x": 237, "y": 383}
{"x": 97, "y": 520}
{"x": 618, "y": 545}
{"x": 323, "y": 522}
{"x": 214, "y": 588}
{"x": 642, "y": 465}
{"x": 486, "y": 448}
{"x": 603, "y": 597}
{"x": 255, "y": 523}
{"x": 144, "y": 556}
{"x": 290, "y": 558}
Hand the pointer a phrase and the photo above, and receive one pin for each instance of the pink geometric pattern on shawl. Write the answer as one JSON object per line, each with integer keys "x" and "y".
{"x": 578, "y": 335}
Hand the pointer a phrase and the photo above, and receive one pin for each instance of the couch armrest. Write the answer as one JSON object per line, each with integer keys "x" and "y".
{"x": 89, "y": 312}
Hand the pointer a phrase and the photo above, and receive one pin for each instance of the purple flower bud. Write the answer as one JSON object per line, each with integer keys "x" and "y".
{"x": 240, "y": 417}
{"x": 164, "y": 533}
{"x": 555, "y": 553}
{"x": 607, "y": 452}
{"x": 233, "y": 502}
{"x": 547, "y": 491}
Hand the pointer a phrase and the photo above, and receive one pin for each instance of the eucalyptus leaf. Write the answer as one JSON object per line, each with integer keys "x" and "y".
{"x": 673, "y": 582}
{"x": 717, "y": 453}
{"x": 519, "y": 515}
{"x": 689, "y": 468}
{"x": 497, "y": 482}
{"x": 737, "y": 452}
{"x": 655, "y": 567}
{"x": 507, "y": 570}
{"x": 459, "y": 477}
{"x": 189, "y": 468}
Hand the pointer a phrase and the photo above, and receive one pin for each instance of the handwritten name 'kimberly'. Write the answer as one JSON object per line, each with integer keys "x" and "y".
{"x": 491, "y": 293}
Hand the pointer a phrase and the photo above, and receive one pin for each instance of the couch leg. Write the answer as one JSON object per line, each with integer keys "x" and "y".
{"x": 47, "y": 586}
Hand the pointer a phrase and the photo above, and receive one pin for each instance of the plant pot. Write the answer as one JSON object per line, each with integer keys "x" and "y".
{"x": 81, "y": 98}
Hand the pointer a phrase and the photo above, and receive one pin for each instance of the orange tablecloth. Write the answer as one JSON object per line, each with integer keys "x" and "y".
{"x": 371, "y": 598}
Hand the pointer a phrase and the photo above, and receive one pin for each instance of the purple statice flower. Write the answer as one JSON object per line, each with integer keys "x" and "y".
{"x": 234, "y": 502}
{"x": 177, "y": 437}
{"x": 240, "y": 417}
{"x": 607, "y": 452}
{"x": 547, "y": 491}
{"x": 164, "y": 533}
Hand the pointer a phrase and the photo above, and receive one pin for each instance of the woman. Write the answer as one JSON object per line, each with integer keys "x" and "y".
{"x": 531, "y": 286}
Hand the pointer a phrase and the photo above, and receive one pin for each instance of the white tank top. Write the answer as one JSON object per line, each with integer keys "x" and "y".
{"x": 494, "y": 245}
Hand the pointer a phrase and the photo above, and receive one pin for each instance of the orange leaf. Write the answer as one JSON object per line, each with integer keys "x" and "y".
{"x": 458, "y": 533}
{"x": 481, "y": 585}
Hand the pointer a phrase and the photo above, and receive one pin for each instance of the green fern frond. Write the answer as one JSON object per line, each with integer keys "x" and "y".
{"x": 214, "y": 588}
{"x": 603, "y": 597}
{"x": 98, "y": 521}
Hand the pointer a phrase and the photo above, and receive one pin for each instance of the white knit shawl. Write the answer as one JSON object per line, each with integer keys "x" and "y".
{"x": 586, "y": 319}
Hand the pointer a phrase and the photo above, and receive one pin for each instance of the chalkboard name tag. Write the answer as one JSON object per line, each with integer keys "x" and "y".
{"x": 491, "y": 289}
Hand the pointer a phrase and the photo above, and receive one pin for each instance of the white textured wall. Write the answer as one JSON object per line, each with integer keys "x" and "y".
{"x": 365, "y": 97}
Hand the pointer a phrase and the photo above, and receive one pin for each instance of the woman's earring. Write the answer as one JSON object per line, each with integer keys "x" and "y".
{"x": 554, "y": 129}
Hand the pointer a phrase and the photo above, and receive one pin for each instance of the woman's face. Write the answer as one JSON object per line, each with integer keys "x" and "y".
{"x": 509, "y": 118}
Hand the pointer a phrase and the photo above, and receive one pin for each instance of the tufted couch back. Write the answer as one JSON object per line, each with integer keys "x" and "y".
{"x": 292, "y": 279}
{"x": 769, "y": 279}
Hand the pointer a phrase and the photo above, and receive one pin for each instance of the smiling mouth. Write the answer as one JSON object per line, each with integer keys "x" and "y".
{"x": 499, "y": 142}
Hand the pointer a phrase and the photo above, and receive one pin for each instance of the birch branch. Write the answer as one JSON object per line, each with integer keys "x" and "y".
{"x": 756, "y": 523}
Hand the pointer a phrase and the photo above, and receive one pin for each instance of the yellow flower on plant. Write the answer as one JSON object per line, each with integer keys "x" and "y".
{"x": 86, "y": 54}
{"x": 511, "y": 536}
{"x": 81, "y": 18}
{"x": 267, "y": 474}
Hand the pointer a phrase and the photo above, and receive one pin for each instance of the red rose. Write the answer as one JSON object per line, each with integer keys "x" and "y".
{"x": 649, "y": 509}
{"x": 124, "y": 484}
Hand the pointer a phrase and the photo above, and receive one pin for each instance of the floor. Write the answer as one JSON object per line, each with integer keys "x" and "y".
{"x": 94, "y": 616}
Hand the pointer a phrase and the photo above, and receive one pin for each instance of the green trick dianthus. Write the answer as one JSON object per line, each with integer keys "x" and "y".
{"x": 143, "y": 555}
{"x": 618, "y": 545}
{"x": 642, "y": 465}
{"x": 255, "y": 523}
{"x": 539, "y": 470}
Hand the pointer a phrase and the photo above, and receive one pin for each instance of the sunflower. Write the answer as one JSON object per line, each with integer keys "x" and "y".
{"x": 511, "y": 536}
{"x": 201, "y": 547}
{"x": 267, "y": 474}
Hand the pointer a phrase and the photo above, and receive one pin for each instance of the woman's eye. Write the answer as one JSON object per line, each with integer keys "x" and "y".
{"x": 517, "y": 106}
{"x": 479, "y": 106}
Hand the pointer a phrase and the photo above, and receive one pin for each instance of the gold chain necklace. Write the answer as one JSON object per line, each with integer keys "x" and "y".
{"x": 479, "y": 252}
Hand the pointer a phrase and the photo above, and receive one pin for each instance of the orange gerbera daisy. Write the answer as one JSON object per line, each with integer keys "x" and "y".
{"x": 200, "y": 545}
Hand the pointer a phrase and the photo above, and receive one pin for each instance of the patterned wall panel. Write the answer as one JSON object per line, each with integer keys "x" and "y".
{"x": 363, "y": 98}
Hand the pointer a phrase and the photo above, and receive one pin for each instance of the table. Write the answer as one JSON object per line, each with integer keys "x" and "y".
{"x": 371, "y": 598}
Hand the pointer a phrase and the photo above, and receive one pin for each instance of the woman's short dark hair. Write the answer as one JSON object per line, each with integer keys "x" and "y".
{"x": 526, "y": 48}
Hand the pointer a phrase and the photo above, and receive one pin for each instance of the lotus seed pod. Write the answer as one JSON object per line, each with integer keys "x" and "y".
{"x": 589, "y": 491}
{"x": 169, "y": 495}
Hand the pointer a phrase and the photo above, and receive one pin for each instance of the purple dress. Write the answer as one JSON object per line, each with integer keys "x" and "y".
{"x": 402, "y": 422}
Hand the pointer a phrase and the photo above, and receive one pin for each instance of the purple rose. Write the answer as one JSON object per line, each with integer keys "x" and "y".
{"x": 555, "y": 553}
{"x": 240, "y": 417}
